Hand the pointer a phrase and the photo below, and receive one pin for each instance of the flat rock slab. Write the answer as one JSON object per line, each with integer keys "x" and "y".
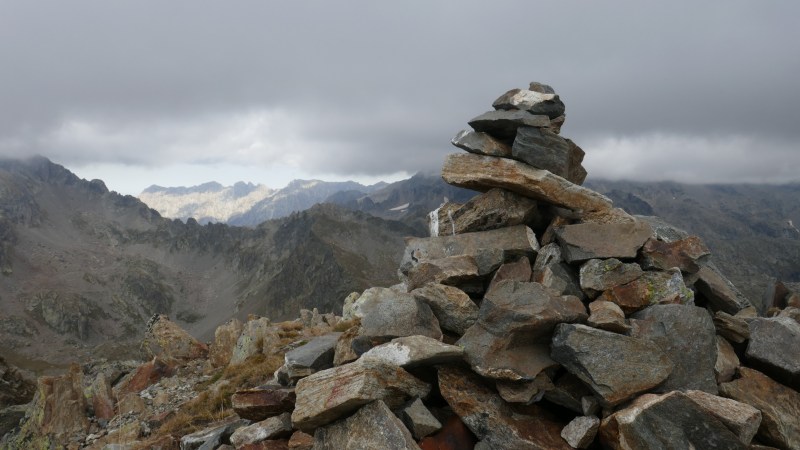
{"x": 614, "y": 366}
{"x": 450, "y": 270}
{"x": 492, "y": 420}
{"x": 686, "y": 334}
{"x": 607, "y": 316}
{"x": 503, "y": 125}
{"x": 585, "y": 241}
{"x": 598, "y": 275}
{"x": 686, "y": 254}
{"x": 722, "y": 295}
{"x": 779, "y": 406}
{"x": 316, "y": 355}
{"x": 534, "y": 102}
{"x": 740, "y": 418}
{"x": 511, "y": 242}
{"x": 666, "y": 421}
{"x": 373, "y": 427}
{"x": 327, "y": 395}
{"x": 272, "y": 428}
{"x": 481, "y": 144}
{"x": 452, "y": 307}
{"x": 515, "y": 321}
{"x": 384, "y": 312}
{"x": 482, "y": 173}
{"x": 263, "y": 402}
{"x": 413, "y": 351}
{"x": 773, "y": 347}
{"x": 652, "y": 288}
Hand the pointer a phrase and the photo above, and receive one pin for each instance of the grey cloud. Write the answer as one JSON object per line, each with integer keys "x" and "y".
{"x": 373, "y": 87}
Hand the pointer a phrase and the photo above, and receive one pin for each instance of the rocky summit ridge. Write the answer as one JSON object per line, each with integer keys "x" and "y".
{"x": 535, "y": 316}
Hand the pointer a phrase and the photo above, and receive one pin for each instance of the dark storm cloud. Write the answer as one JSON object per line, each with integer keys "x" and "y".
{"x": 375, "y": 87}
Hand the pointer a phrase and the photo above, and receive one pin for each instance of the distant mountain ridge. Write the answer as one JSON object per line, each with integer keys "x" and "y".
{"x": 243, "y": 204}
{"x": 83, "y": 269}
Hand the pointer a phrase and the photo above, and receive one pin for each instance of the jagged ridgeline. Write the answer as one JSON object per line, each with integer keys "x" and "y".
{"x": 536, "y": 316}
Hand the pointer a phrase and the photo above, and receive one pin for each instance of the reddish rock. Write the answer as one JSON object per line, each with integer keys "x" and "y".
{"x": 145, "y": 375}
{"x": 686, "y": 254}
{"x": 779, "y": 406}
{"x": 494, "y": 422}
{"x": 102, "y": 398}
{"x": 279, "y": 444}
{"x": 259, "y": 403}
{"x": 652, "y": 288}
{"x": 59, "y": 408}
{"x": 519, "y": 270}
{"x": 301, "y": 441}
{"x": 607, "y": 316}
{"x": 454, "y": 435}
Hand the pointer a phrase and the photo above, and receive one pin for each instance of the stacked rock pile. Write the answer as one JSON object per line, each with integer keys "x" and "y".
{"x": 536, "y": 316}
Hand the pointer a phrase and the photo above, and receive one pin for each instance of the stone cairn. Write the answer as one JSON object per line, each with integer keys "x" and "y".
{"x": 536, "y": 316}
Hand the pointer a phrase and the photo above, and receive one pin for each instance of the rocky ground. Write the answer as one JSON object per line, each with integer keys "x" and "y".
{"x": 536, "y": 316}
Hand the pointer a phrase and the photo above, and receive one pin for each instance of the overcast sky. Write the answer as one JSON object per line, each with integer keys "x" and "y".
{"x": 181, "y": 92}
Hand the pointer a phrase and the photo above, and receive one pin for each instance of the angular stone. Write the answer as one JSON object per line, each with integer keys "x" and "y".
{"x": 584, "y": 241}
{"x": 312, "y": 357}
{"x": 732, "y": 328}
{"x": 373, "y": 427}
{"x": 549, "y": 236}
{"x": 727, "y": 361}
{"x": 512, "y": 242}
{"x": 557, "y": 123}
{"x": 779, "y": 406}
{"x": 258, "y": 336}
{"x": 509, "y": 340}
{"x": 548, "y": 254}
{"x": 686, "y": 334}
{"x": 209, "y": 438}
{"x": 581, "y": 431}
{"x": 519, "y": 270}
{"x": 541, "y": 87}
{"x": 481, "y": 144}
{"x": 607, "y": 316}
{"x": 721, "y": 294}
{"x": 419, "y": 420}
{"x": 493, "y": 209}
{"x": 502, "y": 125}
{"x": 742, "y": 419}
{"x": 272, "y": 428}
{"x": 525, "y": 392}
{"x": 344, "y": 352}
{"x": 594, "y": 357}
{"x": 225, "y": 338}
{"x": 485, "y": 172}
{"x": 652, "y": 288}
{"x": 598, "y": 275}
{"x": 454, "y": 435}
{"x": 543, "y": 149}
{"x": 671, "y": 420}
{"x": 492, "y": 420}
{"x": 452, "y": 307}
{"x": 15, "y": 388}
{"x": 773, "y": 347}
{"x": 440, "y": 220}
{"x": 560, "y": 278}
{"x": 165, "y": 338}
{"x": 533, "y": 102}
{"x": 569, "y": 392}
{"x": 451, "y": 270}
{"x": 102, "y": 398}
{"x": 387, "y": 313}
{"x": 790, "y": 312}
{"x": 686, "y": 254}
{"x": 262, "y": 402}
{"x": 413, "y": 351}
{"x": 301, "y": 441}
{"x": 327, "y": 395}
{"x": 347, "y": 305}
